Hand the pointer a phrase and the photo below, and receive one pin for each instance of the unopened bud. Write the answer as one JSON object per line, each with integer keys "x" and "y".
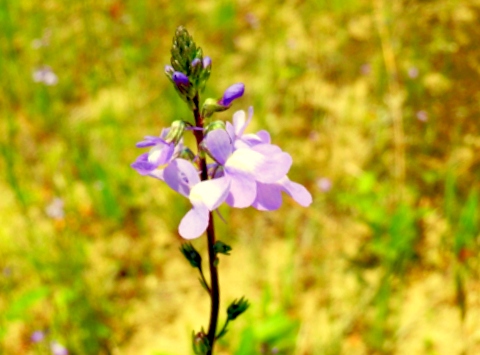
{"x": 237, "y": 308}
{"x": 176, "y": 132}
{"x": 191, "y": 254}
{"x": 232, "y": 93}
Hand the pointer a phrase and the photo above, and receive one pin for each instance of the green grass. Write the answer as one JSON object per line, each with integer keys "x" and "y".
{"x": 386, "y": 262}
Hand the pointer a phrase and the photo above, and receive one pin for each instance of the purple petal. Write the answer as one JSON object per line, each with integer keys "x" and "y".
{"x": 161, "y": 154}
{"x": 180, "y": 79}
{"x": 143, "y": 166}
{"x": 265, "y": 168}
{"x": 150, "y": 141}
{"x": 298, "y": 192}
{"x": 211, "y": 193}
{"x": 243, "y": 190}
{"x": 194, "y": 223}
{"x": 219, "y": 145}
{"x": 269, "y": 197}
{"x": 232, "y": 93}
{"x": 181, "y": 176}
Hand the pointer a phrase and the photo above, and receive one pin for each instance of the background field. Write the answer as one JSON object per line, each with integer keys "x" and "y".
{"x": 377, "y": 102}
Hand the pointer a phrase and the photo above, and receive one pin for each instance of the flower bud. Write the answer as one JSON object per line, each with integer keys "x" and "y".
{"x": 176, "y": 132}
{"x": 214, "y": 125}
{"x": 191, "y": 254}
{"x": 237, "y": 308}
{"x": 207, "y": 63}
{"x": 233, "y": 92}
{"x": 200, "y": 343}
{"x": 220, "y": 247}
{"x": 169, "y": 70}
{"x": 196, "y": 62}
{"x": 210, "y": 106}
{"x": 180, "y": 79}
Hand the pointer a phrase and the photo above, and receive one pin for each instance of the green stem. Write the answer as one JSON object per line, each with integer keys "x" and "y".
{"x": 214, "y": 286}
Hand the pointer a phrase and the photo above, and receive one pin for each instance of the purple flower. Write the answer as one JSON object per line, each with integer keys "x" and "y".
{"x": 205, "y": 196}
{"x": 54, "y": 209}
{"x": 37, "y": 336}
{"x": 422, "y": 116}
{"x": 242, "y": 168}
{"x": 45, "y": 74}
{"x": 413, "y": 72}
{"x": 324, "y": 184}
{"x": 365, "y": 69}
{"x": 268, "y": 194}
{"x": 58, "y": 349}
{"x": 180, "y": 79}
{"x": 233, "y": 92}
{"x": 159, "y": 155}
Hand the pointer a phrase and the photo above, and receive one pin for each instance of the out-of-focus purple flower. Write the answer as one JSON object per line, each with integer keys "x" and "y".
{"x": 422, "y": 116}
{"x": 413, "y": 72}
{"x": 324, "y": 184}
{"x": 159, "y": 155}
{"x": 37, "y": 336}
{"x": 365, "y": 69}
{"x": 232, "y": 93}
{"x": 252, "y": 20}
{"x": 58, "y": 349}
{"x": 180, "y": 79}
{"x": 55, "y": 209}
{"x": 45, "y": 74}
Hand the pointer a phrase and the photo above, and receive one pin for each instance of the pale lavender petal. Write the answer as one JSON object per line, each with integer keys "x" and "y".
{"x": 269, "y": 197}
{"x": 194, "y": 223}
{"x": 142, "y": 165}
{"x": 264, "y": 168}
{"x": 267, "y": 149}
{"x": 219, "y": 145}
{"x": 211, "y": 193}
{"x": 264, "y": 136}
{"x": 239, "y": 122}
{"x": 161, "y": 154}
{"x": 181, "y": 176}
{"x": 243, "y": 190}
{"x": 298, "y": 192}
{"x": 230, "y": 130}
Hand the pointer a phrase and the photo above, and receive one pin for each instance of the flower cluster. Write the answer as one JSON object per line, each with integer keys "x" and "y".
{"x": 246, "y": 170}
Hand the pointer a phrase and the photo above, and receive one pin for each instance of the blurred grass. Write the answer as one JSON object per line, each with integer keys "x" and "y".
{"x": 381, "y": 98}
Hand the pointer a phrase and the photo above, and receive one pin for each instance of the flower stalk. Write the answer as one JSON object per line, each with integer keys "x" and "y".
{"x": 243, "y": 170}
{"x": 211, "y": 240}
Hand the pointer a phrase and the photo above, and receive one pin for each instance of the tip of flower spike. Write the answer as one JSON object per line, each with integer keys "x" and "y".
{"x": 232, "y": 93}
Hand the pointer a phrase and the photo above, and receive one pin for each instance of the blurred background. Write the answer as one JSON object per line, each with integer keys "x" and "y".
{"x": 376, "y": 101}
